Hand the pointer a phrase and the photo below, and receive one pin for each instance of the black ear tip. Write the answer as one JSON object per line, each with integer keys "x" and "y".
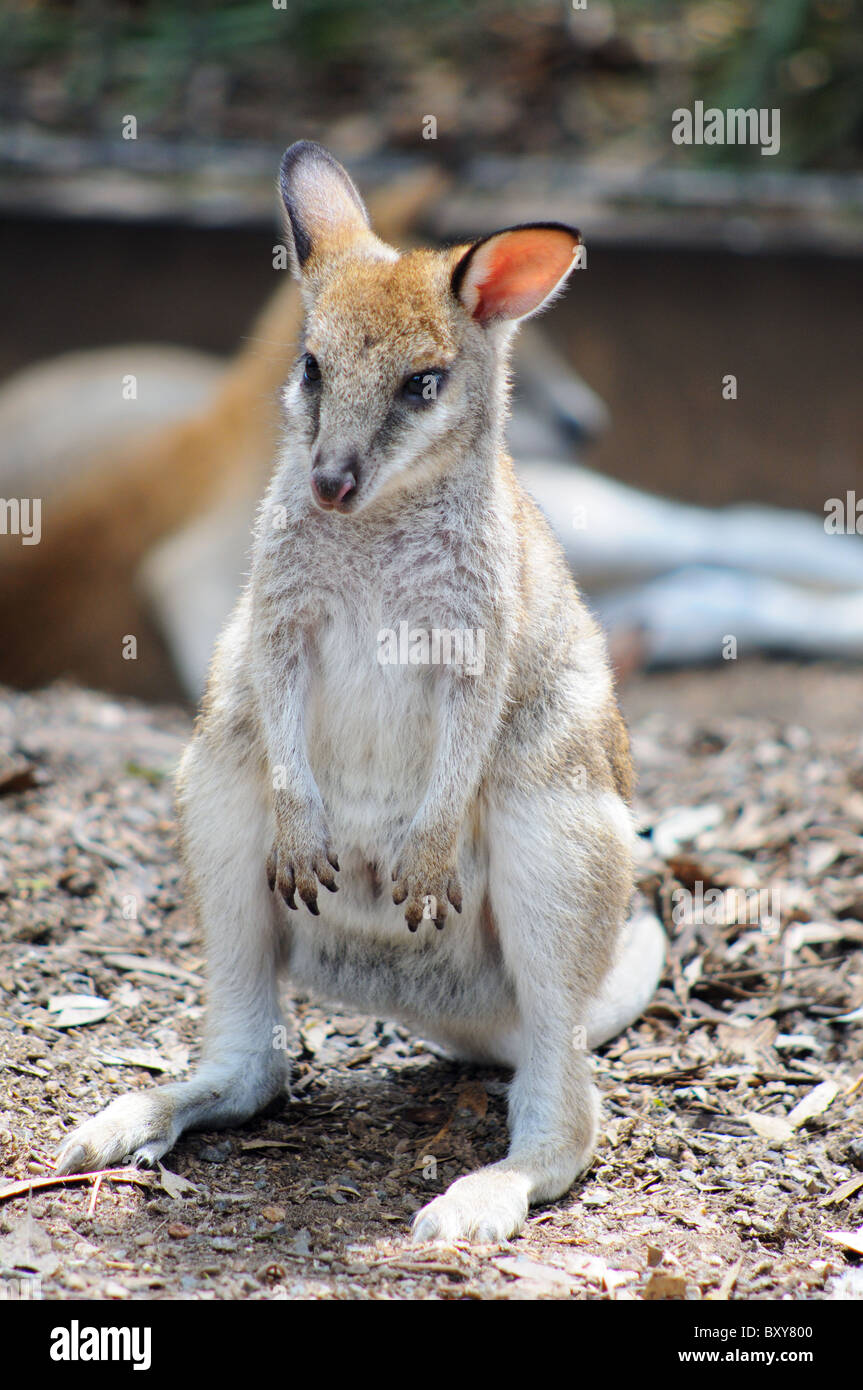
{"x": 305, "y": 163}
{"x": 461, "y": 266}
{"x": 300, "y": 149}
{"x": 306, "y": 152}
{"x": 295, "y": 154}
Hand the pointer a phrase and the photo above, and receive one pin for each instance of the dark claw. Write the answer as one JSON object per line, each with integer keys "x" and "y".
{"x": 312, "y": 905}
{"x": 334, "y": 860}
{"x": 288, "y": 895}
{"x": 333, "y": 887}
{"x": 75, "y": 1160}
{"x": 271, "y": 878}
{"x": 412, "y": 926}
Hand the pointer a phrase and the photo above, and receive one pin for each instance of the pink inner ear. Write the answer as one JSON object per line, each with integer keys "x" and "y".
{"x": 513, "y": 273}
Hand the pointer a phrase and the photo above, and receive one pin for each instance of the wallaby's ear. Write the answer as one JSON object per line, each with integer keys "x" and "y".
{"x": 321, "y": 201}
{"x": 513, "y": 273}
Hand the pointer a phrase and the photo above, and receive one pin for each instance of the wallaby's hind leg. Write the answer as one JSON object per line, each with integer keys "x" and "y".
{"x": 227, "y": 832}
{"x": 560, "y": 881}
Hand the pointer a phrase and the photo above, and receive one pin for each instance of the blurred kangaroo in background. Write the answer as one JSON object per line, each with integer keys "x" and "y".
{"x": 344, "y": 745}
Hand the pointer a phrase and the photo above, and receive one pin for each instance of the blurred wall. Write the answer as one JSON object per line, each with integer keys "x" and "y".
{"x": 654, "y": 332}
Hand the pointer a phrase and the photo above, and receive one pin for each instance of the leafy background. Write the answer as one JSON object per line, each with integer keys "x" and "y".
{"x": 500, "y": 76}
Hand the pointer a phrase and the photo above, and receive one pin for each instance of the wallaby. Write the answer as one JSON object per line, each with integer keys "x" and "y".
{"x": 323, "y": 758}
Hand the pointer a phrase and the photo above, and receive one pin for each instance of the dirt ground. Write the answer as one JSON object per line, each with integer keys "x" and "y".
{"x": 730, "y": 1163}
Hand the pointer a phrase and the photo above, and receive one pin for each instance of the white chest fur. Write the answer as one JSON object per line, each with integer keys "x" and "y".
{"x": 370, "y": 724}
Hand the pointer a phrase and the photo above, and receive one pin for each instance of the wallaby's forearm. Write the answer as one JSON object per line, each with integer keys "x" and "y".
{"x": 468, "y": 723}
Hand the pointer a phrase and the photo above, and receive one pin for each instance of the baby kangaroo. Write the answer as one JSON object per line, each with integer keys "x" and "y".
{"x": 410, "y": 704}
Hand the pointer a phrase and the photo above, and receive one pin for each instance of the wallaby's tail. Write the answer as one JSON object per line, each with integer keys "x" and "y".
{"x": 632, "y": 983}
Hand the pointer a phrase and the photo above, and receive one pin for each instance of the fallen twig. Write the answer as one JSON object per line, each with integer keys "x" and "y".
{"x": 20, "y": 1189}
{"x": 94, "y": 1195}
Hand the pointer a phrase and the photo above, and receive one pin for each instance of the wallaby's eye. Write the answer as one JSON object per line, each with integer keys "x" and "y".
{"x": 423, "y": 387}
{"x": 311, "y": 370}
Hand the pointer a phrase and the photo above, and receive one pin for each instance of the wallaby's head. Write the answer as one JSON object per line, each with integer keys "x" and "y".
{"x": 402, "y": 361}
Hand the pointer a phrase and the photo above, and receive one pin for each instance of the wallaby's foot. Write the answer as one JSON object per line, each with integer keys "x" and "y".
{"x": 491, "y": 1205}
{"x": 144, "y": 1125}
{"x": 140, "y": 1126}
{"x": 488, "y": 1207}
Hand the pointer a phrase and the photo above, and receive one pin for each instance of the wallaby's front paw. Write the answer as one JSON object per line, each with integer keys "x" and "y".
{"x": 425, "y": 880}
{"x": 298, "y": 862}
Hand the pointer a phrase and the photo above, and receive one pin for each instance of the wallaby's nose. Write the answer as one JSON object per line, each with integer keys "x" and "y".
{"x": 334, "y": 484}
